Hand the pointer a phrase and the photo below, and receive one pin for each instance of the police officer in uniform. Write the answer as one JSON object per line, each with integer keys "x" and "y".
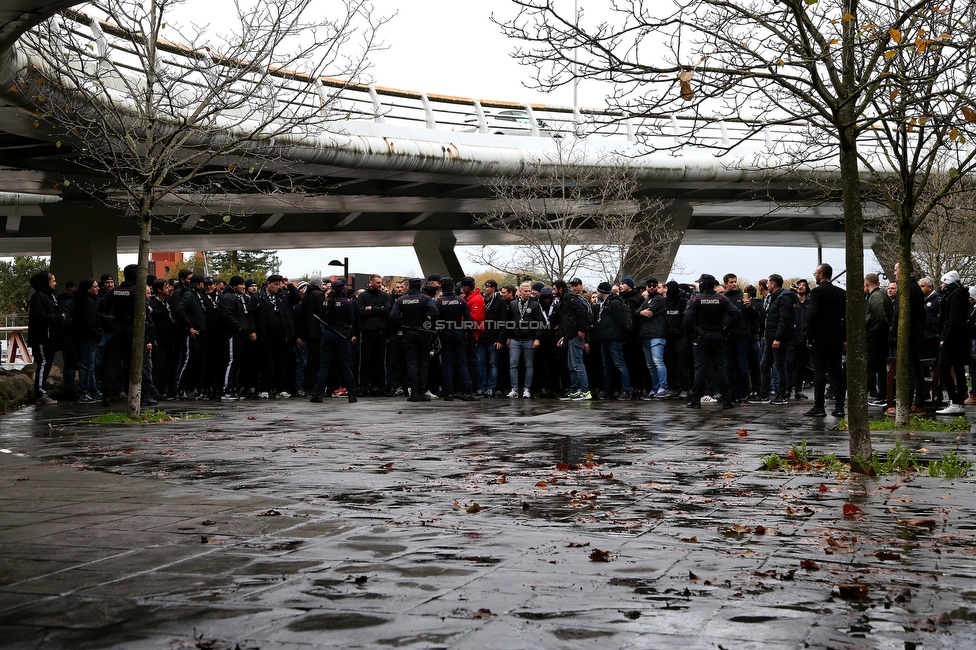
{"x": 117, "y": 309}
{"x": 415, "y": 313}
{"x": 454, "y": 314}
{"x": 710, "y": 314}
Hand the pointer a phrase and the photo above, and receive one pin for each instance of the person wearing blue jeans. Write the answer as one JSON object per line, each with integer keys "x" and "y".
{"x": 652, "y": 327}
{"x": 612, "y": 325}
{"x": 488, "y": 365}
{"x": 522, "y": 336}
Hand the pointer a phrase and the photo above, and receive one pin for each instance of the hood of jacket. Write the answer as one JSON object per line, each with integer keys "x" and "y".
{"x": 42, "y": 282}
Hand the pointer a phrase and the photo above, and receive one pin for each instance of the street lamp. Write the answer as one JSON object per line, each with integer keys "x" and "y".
{"x": 345, "y": 267}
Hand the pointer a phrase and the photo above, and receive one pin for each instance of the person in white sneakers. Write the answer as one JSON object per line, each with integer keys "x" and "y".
{"x": 954, "y": 342}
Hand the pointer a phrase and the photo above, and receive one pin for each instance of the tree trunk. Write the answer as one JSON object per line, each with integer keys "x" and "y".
{"x": 857, "y": 403}
{"x": 903, "y": 367}
{"x": 139, "y": 316}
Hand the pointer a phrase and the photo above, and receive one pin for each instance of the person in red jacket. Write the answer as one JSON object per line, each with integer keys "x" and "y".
{"x": 476, "y": 305}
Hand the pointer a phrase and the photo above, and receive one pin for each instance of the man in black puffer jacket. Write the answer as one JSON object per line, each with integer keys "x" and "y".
{"x": 372, "y": 320}
{"x": 779, "y": 337}
{"x": 44, "y": 330}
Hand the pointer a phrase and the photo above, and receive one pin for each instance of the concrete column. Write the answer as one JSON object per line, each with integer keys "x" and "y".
{"x": 435, "y": 250}
{"x": 84, "y": 240}
{"x": 640, "y": 265}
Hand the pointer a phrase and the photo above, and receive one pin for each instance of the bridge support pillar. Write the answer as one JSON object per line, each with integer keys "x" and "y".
{"x": 652, "y": 255}
{"x": 885, "y": 249}
{"x": 84, "y": 240}
{"x": 435, "y": 250}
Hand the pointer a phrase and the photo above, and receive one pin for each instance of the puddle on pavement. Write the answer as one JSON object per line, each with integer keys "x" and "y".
{"x": 576, "y": 634}
{"x": 753, "y": 619}
{"x": 545, "y": 616}
{"x": 417, "y": 640}
{"x": 340, "y": 621}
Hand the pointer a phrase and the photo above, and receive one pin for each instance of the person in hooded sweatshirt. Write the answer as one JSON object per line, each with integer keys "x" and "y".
{"x": 44, "y": 330}
{"x": 954, "y": 342}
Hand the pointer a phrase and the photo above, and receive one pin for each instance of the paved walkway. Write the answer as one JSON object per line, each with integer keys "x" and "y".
{"x": 390, "y": 524}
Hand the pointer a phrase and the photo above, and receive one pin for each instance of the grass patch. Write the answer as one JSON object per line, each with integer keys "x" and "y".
{"x": 956, "y": 425}
{"x": 897, "y": 460}
{"x": 147, "y": 416}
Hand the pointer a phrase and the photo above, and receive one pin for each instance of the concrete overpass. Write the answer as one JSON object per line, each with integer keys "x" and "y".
{"x": 401, "y": 174}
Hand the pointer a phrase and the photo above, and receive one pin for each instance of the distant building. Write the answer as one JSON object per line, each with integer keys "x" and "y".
{"x": 161, "y": 263}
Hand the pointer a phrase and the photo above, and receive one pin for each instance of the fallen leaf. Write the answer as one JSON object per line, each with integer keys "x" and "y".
{"x": 482, "y": 613}
{"x": 742, "y": 432}
{"x": 269, "y": 513}
{"x": 692, "y": 576}
{"x": 361, "y": 580}
{"x": 541, "y": 484}
{"x": 851, "y": 510}
{"x": 24, "y": 478}
{"x": 207, "y": 522}
{"x": 823, "y": 488}
{"x": 920, "y": 523}
{"x": 809, "y": 565}
{"x": 357, "y": 433}
{"x": 388, "y": 466}
{"x": 473, "y": 508}
{"x": 887, "y": 555}
{"x": 760, "y": 530}
{"x": 902, "y": 596}
{"x": 600, "y": 556}
{"x": 565, "y": 467}
{"x": 251, "y": 417}
{"x": 503, "y": 479}
{"x": 691, "y": 540}
{"x": 578, "y": 544}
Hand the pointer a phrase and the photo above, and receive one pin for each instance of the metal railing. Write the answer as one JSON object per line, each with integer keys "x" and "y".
{"x": 355, "y": 102}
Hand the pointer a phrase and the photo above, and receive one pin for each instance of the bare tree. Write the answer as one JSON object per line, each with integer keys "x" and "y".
{"x": 567, "y": 217}
{"x": 156, "y": 111}
{"x": 819, "y": 63}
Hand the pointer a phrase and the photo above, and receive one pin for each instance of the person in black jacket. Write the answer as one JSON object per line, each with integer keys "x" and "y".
{"x": 236, "y": 324}
{"x": 164, "y": 323}
{"x": 652, "y": 327}
{"x": 575, "y": 320}
{"x": 44, "y": 330}
{"x": 612, "y": 325}
{"x": 522, "y": 338}
{"x": 415, "y": 313}
{"x": 737, "y": 349}
{"x": 827, "y": 332}
{"x": 372, "y": 320}
{"x": 710, "y": 315}
{"x": 489, "y": 343}
{"x": 677, "y": 350}
{"x": 640, "y": 379}
{"x": 337, "y": 318}
{"x": 453, "y": 317}
{"x": 191, "y": 317}
{"x": 779, "y": 336}
{"x": 954, "y": 343}
{"x": 798, "y": 356}
{"x": 309, "y": 330}
{"x": 117, "y": 310}
{"x": 275, "y": 330}
{"x": 86, "y": 332}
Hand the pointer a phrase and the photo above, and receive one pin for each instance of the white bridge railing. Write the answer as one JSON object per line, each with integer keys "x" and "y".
{"x": 377, "y": 104}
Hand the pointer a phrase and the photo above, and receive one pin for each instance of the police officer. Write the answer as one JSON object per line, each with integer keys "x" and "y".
{"x": 415, "y": 313}
{"x": 710, "y": 314}
{"x": 337, "y": 317}
{"x": 454, "y": 316}
{"x": 117, "y": 309}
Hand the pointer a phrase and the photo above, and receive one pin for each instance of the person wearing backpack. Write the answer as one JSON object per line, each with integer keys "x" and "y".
{"x": 614, "y": 322}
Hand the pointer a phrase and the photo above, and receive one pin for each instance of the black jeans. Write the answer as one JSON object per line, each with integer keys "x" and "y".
{"x": 826, "y": 358}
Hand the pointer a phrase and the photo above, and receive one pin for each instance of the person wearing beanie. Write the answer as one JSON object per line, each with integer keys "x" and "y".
{"x": 453, "y": 317}
{"x": 415, "y": 312}
{"x": 45, "y": 324}
{"x": 954, "y": 342}
{"x": 613, "y": 324}
{"x": 536, "y": 290}
{"x": 710, "y": 314}
{"x": 640, "y": 376}
{"x": 677, "y": 350}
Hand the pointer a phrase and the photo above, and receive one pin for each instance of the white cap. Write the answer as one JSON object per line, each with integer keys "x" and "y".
{"x": 950, "y": 277}
{"x": 972, "y": 292}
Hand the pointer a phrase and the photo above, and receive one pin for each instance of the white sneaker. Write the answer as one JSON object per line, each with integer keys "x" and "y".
{"x": 952, "y": 409}
{"x": 431, "y": 395}
{"x": 513, "y": 393}
{"x": 284, "y": 394}
{"x": 526, "y": 394}
{"x": 263, "y": 395}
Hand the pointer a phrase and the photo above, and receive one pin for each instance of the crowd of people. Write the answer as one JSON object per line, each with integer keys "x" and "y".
{"x": 207, "y": 338}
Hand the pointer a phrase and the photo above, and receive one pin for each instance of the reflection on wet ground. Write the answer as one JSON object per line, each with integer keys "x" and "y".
{"x": 504, "y": 524}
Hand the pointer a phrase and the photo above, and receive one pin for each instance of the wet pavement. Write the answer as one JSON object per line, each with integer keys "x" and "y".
{"x": 503, "y": 524}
